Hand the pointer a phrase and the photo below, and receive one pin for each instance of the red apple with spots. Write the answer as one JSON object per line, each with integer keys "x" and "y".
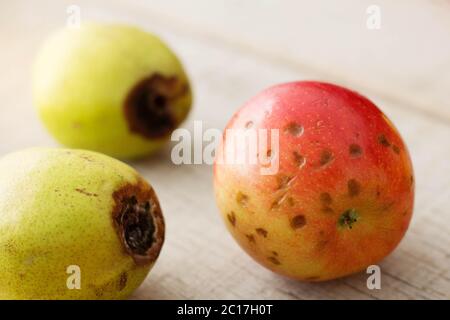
{"x": 342, "y": 197}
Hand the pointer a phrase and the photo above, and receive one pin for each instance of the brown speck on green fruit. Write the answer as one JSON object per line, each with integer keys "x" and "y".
{"x": 299, "y": 221}
{"x": 354, "y": 188}
{"x": 262, "y": 232}
{"x": 123, "y": 279}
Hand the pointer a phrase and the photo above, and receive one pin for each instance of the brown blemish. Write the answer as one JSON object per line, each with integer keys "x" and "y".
{"x": 122, "y": 283}
{"x": 294, "y": 129}
{"x": 262, "y": 232}
{"x": 396, "y": 149}
{"x": 274, "y": 260}
{"x": 325, "y": 199}
{"x": 348, "y": 218}
{"x": 285, "y": 181}
{"x": 232, "y": 218}
{"x": 149, "y": 106}
{"x": 278, "y": 202}
{"x": 242, "y": 199}
{"x": 269, "y": 154}
{"x": 387, "y": 206}
{"x": 83, "y": 191}
{"x": 250, "y": 238}
{"x": 383, "y": 140}
{"x": 290, "y": 201}
{"x": 275, "y": 253}
{"x": 299, "y": 160}
{"x": 355, "y": 150}
{"x": 248, "y": 124}
{"x": 354, "y": 188}
{"x": 87, "y": 158}
{"x": 326, "y": 157}
{"x": 297, "y": 222}
{"x": 411, "y": 179}
{"x": 139, "y": 223}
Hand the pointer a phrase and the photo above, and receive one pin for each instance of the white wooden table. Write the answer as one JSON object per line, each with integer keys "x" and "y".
{"x": 232, "y": 50}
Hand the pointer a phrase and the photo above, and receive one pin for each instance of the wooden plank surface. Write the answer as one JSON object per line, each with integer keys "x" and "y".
{"x": 200, "y": 259}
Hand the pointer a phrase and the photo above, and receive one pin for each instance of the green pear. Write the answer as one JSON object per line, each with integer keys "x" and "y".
{"x": 110, "y": 88}
{"x": 75, "y": 224}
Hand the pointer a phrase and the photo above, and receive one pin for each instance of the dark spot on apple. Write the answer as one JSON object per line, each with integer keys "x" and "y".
{"x": 396, "y": 149}
{"x": 290, "y": 201}
{"x": 232, "y": 218}
{"x": 299, "y": 160}
{"x": 278, "y": 202}
{"x": 348, "y": 218}
{"x": 275, "y": 253}
{"x": 326, "y": 157}
{"x": 411, "y": 179}
{"x": 248, "y": 124}
{"x": 285, "y": 181}
{"x": 325, "y": 198}
{"x": 383, "y": 140}
{"x": 354, "y": 188}
{"x": 149, "y": 106}
{"x": 250, "y": 238}
{"x": 122, "y": 283}
{"x": 269, "y": 153}
{"x": 242, "y": 199}
{"x": 355, "y": 150}
{"x": 297, "y": 222}
{"x": 274, "y": 260}
{"x": 262, "y": 232}
{"x": 294, "y": 129}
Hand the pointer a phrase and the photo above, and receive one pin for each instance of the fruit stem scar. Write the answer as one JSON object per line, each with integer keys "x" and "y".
{"x": 348, "y": 218}
{"x": 138, "y": 220}
{"x": 149, "y": 106}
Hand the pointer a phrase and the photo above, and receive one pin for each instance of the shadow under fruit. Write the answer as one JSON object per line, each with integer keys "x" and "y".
{"x": 110, "y": 88}
{"x": 62, "y": 208}
{"x": 342, "y": 198}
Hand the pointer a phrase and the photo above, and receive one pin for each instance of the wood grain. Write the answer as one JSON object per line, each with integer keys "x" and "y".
{"x": 200, "y": 259}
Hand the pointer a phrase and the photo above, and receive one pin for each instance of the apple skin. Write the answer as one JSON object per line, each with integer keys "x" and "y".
{"x": 61, "y": 208}
{"x": 343, "y": 196}
{"x": 84, "y": 79}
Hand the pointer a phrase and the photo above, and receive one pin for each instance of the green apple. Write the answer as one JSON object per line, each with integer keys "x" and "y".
{"x": 110, "y": 88}
{"x": 75, "y": 224}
